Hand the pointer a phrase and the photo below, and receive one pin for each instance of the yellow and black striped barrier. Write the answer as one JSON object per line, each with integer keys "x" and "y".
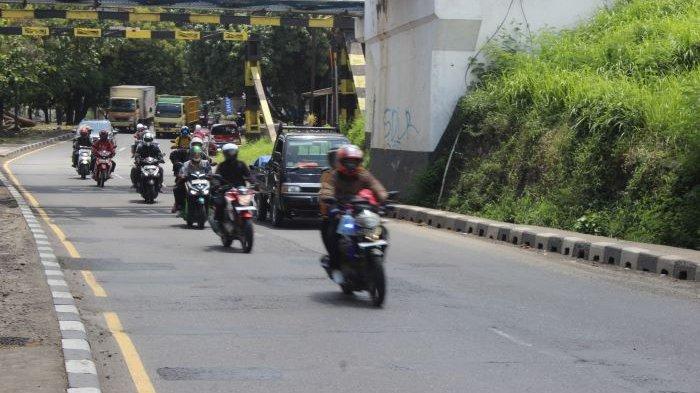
{"x": 132, "y": 33}
{"x": 343, "y": 22}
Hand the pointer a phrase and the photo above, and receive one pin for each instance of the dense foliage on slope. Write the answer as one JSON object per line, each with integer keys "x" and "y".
{"x": 597, "y": 129}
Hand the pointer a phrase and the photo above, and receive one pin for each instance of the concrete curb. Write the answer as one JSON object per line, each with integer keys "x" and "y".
{"x": 77, "y": 355}
{"x": 35, "y": 145}
{"x": 611, "y": 253}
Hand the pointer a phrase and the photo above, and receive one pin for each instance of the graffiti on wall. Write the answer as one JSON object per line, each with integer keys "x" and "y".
{"x": 398, "y": 127}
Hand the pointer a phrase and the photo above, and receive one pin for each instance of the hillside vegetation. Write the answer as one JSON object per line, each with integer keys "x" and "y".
{"x": 596, "y": 129}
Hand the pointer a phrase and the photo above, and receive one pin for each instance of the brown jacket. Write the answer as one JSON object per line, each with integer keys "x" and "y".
{"x": 337, "y": 185}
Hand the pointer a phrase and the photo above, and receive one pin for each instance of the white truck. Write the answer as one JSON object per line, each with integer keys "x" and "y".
{"x": 130, "y": 105}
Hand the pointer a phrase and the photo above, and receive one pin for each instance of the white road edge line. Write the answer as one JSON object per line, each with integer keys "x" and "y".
{"x": 510, "y": 338}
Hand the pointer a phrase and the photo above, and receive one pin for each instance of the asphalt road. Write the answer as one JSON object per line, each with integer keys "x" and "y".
{"x": 462, "y": 314}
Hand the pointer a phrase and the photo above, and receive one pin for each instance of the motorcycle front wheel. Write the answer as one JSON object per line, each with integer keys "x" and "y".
{"x": 247, "y": 237}
{"x": 376, "y": 281}
{"x": 201, "y": 216}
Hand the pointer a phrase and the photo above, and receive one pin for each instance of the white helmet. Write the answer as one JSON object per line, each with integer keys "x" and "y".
{"x": 230, "y": 151}
{"x": 196, "y": 140}
{"x": 197, "y": 128}
{"x": 148, "y": 138}
{"x": 140, "y": 127}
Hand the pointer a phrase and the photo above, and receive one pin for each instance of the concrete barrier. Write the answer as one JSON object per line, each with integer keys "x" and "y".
{"x": 499, "y": 231}
{"x": 677, "y": 267}
{"x": 575, "y": 247}
{"x": 522, "y": 236}
{"x": 635, "y": 258}
{"x": 605, "y": 252}
{"x": 550, "y": 242}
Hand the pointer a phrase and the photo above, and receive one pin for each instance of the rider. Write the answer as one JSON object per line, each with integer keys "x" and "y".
{"x": 147, "y": 148}
{"x": 325, "y": 179}
{"x": 196, "y": 163}
{"x": 345, "y": 181}
{"x": 183, "y": 140}
{"x": 138, "y": 135}
{"x": 82, "y": 140}
{"x": 235, "y": 173}
{"x": 198, "y": 142}
{"x": 103, "y": 144}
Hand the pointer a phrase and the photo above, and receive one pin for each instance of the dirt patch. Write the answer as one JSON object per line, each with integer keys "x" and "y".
{"x": 30, "y": 352}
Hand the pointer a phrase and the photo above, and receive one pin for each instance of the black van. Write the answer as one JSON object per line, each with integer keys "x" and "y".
{"x": 293, "y": 174}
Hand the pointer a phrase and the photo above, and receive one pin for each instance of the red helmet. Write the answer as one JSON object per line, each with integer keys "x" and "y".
{"x": 349, "y": 159}
{"x": 103, "y": 135}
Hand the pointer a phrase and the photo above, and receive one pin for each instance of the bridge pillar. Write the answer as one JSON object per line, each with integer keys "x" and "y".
{"x": 417, "y": 53}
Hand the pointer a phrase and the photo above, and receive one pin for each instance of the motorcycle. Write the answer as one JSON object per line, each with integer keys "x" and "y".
{"x": 237, "y": 222}
{"x": 362, "y": 245}
{"x": 102, "y": 168}
{"x": 149, "y": 183}
{"x": 83, "y": 162}
{"x": 196, "y": 207}
{"x": 178, "y": 157}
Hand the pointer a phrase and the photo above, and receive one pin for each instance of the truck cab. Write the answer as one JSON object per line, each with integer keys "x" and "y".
{"x": 124, "y": 112}
{"x": 174, "y": 112}
{"x": 293, "y": 174}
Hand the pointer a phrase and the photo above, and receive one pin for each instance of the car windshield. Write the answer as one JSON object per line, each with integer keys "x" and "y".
{"x": 305, "y": 153}
{"x": 223, "y": 130}
{"x": 122, "y": 105}
{"x": 168, "y": 110}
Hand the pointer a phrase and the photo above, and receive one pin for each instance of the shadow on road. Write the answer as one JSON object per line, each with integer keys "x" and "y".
{"x": 224, "y": 250}
{"x": 300, "y": 225}
{"x": 338, "y": 298}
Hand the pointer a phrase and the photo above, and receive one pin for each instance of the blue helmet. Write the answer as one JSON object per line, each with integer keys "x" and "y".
{"x": 184, "y": 131}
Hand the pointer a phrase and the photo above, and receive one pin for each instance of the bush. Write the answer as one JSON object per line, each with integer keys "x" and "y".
{"x": 595, "y": 129}
{"x": 251, "y": 150}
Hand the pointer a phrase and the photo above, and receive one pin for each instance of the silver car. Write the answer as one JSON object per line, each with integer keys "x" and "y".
{"x": 97, "y": 126}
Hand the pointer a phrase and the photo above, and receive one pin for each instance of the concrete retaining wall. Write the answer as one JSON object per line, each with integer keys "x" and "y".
{"x": 32, "y": 146}
{"x": 556, "y": 241}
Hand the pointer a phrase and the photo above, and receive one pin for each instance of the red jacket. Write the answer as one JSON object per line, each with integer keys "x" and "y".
{"x": 100, "y": 145}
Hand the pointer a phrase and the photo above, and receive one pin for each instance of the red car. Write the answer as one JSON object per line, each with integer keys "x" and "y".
{"x": 225, "y": 133}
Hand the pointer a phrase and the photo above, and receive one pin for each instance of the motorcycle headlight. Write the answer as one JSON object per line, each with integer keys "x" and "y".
{"x": 206, "y": 191}
{"x": 288, "y": 188}
{"x": 368, "y": 220}
{"x": 193, "y": 192}
{"x": 373, "y": 233}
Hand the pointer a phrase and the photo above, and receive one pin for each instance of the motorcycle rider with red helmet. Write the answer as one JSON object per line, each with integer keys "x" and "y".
{"x": 343, "y": 183}
{"x": 103, "y": 144}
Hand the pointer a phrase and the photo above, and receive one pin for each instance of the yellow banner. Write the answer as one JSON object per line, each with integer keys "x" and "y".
{"x": 18, "y": 14}
{"x": 360, "y": 82}
{"x": 144, "y": 17}
{"x": 235, "y": 36}
{"x": 139, "y": 34}
{"x": 265, "y": 21}
{"x": 203, "y": 18}
{"x": 189, "y": 35}
{"x": 35, "y": 31}
{"x": 357, "y": 60}
{"x": 87, "y": 32}
{"x": 82, "y": 15}
{"x": 321, "y": 22}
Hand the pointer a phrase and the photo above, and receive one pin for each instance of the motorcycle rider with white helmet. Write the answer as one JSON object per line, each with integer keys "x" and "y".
{"x": 147, "y": 148}
{"x": 138, "y": 135}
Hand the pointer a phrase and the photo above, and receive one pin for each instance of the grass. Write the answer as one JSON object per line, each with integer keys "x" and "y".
{"x": 250, "y": 151}
{"x": 595, "y": 129}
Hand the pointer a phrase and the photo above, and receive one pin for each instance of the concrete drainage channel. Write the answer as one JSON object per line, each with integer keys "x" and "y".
{"x": 611, "y": 253}
{"x": 80, "y": 368}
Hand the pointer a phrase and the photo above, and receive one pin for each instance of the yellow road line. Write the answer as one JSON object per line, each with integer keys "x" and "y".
{"x": 72, "y": 251}
{"x": 131, "y": 356}
{"x": 93, "y": 284}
